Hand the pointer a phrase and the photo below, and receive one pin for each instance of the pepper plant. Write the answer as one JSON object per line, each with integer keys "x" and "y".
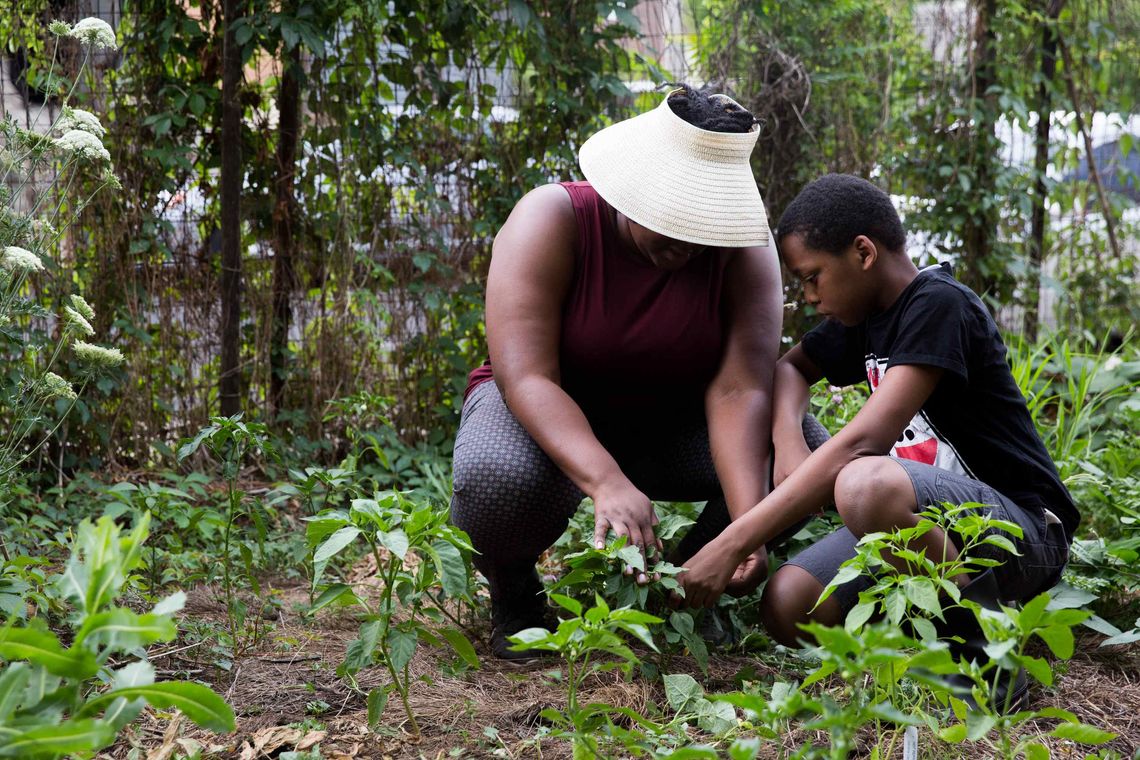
{"x": 580, "y": 640}
{"x": 417, "y": 552}
{"x": 230, "y": 440}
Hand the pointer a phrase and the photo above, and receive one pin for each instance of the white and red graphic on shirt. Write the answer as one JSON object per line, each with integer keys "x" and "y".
{"x": 919, "y": 442}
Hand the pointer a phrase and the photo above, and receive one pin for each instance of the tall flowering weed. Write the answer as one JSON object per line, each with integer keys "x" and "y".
{"x": 37, "y": 332}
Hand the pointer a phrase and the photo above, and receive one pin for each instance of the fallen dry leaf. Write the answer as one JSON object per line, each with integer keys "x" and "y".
{"x": 268, "y": 740}
{"x": 169, "y": 740}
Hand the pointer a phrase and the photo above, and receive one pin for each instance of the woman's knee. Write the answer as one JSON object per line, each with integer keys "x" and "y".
{"x": 790, "y": 600}
{"x": 509, "y": 498}
{"x": 873, "y": 493}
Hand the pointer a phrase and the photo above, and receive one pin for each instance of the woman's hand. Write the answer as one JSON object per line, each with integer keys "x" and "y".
{"x": 788, "y": 456}
{"x": 749, "y": 574}
{"x": 625, "y": 510}
{"x": 708, "y": 574}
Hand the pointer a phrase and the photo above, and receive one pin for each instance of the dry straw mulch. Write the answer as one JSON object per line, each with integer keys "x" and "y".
{"x": 494, "y": 711}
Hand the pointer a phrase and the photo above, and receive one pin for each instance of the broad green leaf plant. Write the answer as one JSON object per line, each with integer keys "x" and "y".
{"x": 62, "y": 695}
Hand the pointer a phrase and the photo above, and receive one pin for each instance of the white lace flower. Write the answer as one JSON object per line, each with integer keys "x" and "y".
{"x": 95, "y": 32}
{"x": 80, "y": 305}
{"x": 59, "y": 28}
{"x": 97, "y": 356}
{"x": 52, "y": 386}
{"x": 17, "y": 259}
{"x": 77, "y": 320}
{"x": 83, "y": 144}
{"x": 77, "y": 118}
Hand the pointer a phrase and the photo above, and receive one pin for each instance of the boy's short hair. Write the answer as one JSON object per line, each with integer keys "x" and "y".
{"x": 835, "y": 209}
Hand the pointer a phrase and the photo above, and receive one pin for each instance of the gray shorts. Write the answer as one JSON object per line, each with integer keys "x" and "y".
{"x": 1044, "y": 547}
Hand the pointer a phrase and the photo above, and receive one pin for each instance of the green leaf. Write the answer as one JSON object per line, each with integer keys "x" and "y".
{"x": 682, "y": 622}
{"x": 1058, "y": 713}
{"x": 120, "y": 630}
{"x": 329, "y": 549}
{"x": 401, "y": 647}
{"x": 846, "y": 573}
{"x": 955, "y": 734}
{"x": 70, "y": 737}
{"x": 978, "y": 725}
{"x": 192, "y": 445}
{"x": 12, "y": 683}
{"x": 859, "y": 615}
{"x": 573, "y": 606}
{"x": 631, "y": 557}
{"x": 670, "y": 524}
{"x": 171, "y": 604}
{"x": 452, "y": 569}
{"x": 42, "y": 648}
{"x": 395, "y": 541}
{"x": 1066, "y": 597}
{"x": 682, "y": 689}
{"x": 461, "y": 646}
{"x": 360, "y": 651}
{"x": 925, "y": 629}
{"x": 377, "y": 701}
{"x": 200, "y": 705}
{"x": 1038, "y": 668}
{"x": 1082, "y": 733}
{"x": 923, "y": 594}
{"x": 1100, "y": 625}
{"x": 895, "y": 604}
{"x": 1036, "y": 751}
{"x": 715, "y": 717}
{"x": 197, "y": 104}
{"x": 744, "y": 749}
{"x": 1128, "y": 637}
{"x": 333, "y": 594}
{"x": 335, "y": 543}
{"x": 1060, "y": 640}
{"x": 1031, "y": 613}
{"x": 1001, "y": 542}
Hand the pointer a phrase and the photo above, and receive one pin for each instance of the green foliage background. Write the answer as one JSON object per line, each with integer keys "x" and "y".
{"x": 423, "y": 122}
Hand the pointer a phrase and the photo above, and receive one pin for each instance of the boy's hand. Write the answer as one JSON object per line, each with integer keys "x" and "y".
{"x": 708, "y": 573}
{"x": 749, "y": 574}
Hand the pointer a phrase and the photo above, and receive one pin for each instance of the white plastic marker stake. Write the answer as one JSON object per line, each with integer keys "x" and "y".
{"x": 910, "y": 743}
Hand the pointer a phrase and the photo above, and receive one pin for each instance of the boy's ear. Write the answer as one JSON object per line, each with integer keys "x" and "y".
{"x": 867, "y": 251}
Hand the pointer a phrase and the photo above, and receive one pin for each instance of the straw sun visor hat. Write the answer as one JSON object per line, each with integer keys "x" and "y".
{"x": 679, "y": 180}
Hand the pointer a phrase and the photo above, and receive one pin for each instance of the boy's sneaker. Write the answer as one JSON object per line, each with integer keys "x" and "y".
{"x": 1009, "y": 690}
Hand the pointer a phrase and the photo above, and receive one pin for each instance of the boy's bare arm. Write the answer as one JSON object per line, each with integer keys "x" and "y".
{"x": 794, "y": 376}
{"x": 871, "y": 433}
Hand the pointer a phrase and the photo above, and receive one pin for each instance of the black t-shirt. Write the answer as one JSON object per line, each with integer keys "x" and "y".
{"x": 975, "y": 422}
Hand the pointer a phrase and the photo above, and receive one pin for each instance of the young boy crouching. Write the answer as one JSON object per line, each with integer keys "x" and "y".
{"x": 945, "y": 421}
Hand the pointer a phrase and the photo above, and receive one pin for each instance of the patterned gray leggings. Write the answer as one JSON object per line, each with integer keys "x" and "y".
{"x": 514, "y": 502}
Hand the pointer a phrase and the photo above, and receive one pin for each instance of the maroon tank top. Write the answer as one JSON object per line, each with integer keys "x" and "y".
{"x": 635, "y": 339}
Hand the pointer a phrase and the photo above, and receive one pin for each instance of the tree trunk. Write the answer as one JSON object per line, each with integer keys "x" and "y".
{"x": 1041, "y": 164}
{"x": 284, "y": 218}
{"x": 229, "y": 380}
{"x": 1090, "y": 157}
{"x": 981, "y": 225}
